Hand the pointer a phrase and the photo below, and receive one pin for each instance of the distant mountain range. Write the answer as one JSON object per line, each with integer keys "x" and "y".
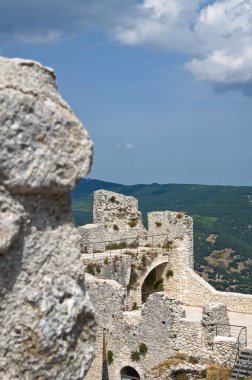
{"x": 222, "y": 223}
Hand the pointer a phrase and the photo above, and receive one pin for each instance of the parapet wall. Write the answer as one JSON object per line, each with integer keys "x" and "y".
{"x": 195, "y": 291}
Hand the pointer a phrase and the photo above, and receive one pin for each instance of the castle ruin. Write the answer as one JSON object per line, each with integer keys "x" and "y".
{"x": 140, "y": 279}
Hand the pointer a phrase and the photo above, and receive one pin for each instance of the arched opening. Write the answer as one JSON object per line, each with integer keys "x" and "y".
{"x": 154, "y": 281}
{"x": 129, "y": 373}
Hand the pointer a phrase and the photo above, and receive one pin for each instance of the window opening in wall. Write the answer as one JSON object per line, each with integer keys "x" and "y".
{"x": 129, "y": 373}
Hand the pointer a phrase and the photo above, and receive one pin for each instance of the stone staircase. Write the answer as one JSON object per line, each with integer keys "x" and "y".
{"x": 243, "y": 366}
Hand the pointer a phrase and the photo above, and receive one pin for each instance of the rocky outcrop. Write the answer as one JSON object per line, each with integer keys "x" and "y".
{"x": 46, "y": 318}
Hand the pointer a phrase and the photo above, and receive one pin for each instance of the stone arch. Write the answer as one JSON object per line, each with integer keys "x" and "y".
{"x": 124, "y": 364}
{"x": 154, "y": 281}
{"x": 129, "y": 373}
{"x": 135, "y": 295}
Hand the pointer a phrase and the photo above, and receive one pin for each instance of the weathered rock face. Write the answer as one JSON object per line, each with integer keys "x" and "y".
{"x": 46, "y": 318}
{"x": 42, "y": 142}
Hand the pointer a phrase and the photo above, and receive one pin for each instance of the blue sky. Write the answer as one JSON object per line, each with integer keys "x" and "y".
{"x": 164, "y": 87}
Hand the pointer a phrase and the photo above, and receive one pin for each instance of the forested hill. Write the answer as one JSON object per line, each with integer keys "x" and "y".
{"x": 222, "y": 224}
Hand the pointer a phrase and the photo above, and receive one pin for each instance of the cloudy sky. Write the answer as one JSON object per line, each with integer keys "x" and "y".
{"x": 164, "y": 87}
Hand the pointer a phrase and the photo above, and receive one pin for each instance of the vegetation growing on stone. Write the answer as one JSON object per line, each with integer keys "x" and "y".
{"x": 130, "y": 253}
{"x": 169, "y": 273}
{"x": 159, "y": 285}
{"x": 106, "y": 261}
{"x": 134, "y": 306}
{"x": 110, "y": 357}
{"x": 143, "y": 349}
{"x": 158, "y": 224}
{"x": 91, "y": 268}
{"x": 113, "y": 246}
{"x": 180, "y": 215}
{"x": 115, "y": 227}
{"x": 133, "y": 223}
{"x": 135, "y": 356}
{"x": 168, "y": 245}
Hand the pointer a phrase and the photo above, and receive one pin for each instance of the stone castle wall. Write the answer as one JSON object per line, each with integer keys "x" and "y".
{"x": 193, "y": 290}
{"x": 93, "y": 238}
{"x": 175, "y": 228}
{"x": 161, "y": 325}
{"x": 170, "y": 238}
{"x": 119, "y": 214}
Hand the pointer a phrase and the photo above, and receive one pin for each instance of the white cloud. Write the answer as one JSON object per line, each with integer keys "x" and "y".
{"x": 223, "y": 67}
{"x": 129, "y": 145}
{"x": 224, "y": 30}
{"x": 164, "y": 24}
{"x": 217, "y": 36}
{"x": 125, "y": 146}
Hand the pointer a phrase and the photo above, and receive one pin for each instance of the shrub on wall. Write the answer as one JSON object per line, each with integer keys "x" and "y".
{"x": 110, "y": 357}
{"x": 133, "y": 223}
{"x": 115, "y": 227}
{"x": 180, "y": 215}
{"x": 143, "y": 349}
{"x": 168, "y": 245}
{"x": 116, "y": 246}
{"x": 158, "y": 224}
{"x": 169, "y": 273}
{"x": 135, "y": 356}
{"x": 91, "y": 268}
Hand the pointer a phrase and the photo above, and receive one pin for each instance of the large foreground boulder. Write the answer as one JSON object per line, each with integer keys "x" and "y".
{"x": 47, "y": 324}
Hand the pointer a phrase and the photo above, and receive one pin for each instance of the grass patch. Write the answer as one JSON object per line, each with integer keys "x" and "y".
{"x": 113, "y": 246}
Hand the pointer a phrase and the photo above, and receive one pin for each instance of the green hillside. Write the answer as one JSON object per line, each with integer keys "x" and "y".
{"x": 222, "y": 224}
